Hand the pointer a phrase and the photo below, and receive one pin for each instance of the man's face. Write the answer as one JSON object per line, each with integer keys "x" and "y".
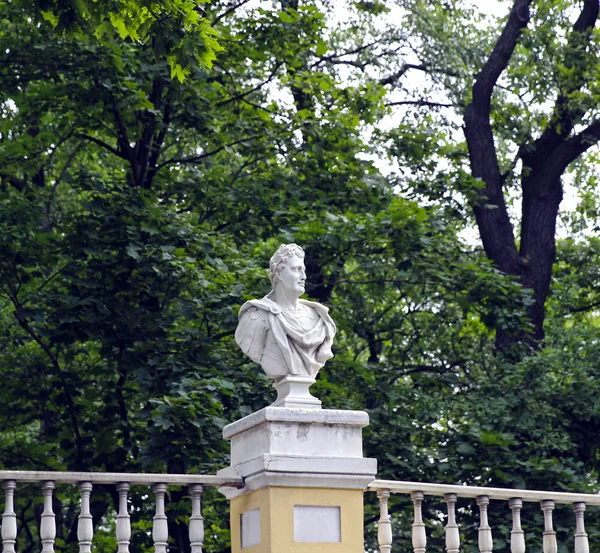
{"x": 293, "y": 276}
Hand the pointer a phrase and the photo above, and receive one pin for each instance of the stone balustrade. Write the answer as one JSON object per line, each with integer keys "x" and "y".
{"x": 123, "y": 481}
{"x": 418, "y": 493}
{"x": 482, "y": 497}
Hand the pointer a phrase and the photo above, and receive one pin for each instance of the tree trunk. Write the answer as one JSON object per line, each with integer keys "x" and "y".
{"x": 544, "y": 162}
{"x": 541, "y": 202}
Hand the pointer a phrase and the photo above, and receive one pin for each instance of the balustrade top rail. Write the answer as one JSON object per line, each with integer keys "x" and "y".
{"x": 117, "y": 477}
{"x": 505, "y": 494}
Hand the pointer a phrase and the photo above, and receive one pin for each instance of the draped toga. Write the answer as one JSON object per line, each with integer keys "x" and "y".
{"x": 284, "y": 341}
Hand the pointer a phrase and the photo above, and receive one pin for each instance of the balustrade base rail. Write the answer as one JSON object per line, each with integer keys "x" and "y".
{"x": 123, "y": 481}
{"x": 482, "y": 496}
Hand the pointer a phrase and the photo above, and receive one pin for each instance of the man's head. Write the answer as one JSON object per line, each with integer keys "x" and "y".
{"x": 281, "y": 258}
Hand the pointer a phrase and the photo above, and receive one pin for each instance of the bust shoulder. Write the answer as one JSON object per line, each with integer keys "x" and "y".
{"x": 253, "y": 313}
{"x": 251, "y": 331}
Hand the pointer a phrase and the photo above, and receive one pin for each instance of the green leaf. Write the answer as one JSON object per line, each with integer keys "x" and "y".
{"x": 286, "y": 17}
{"x": 119, "y": 25}
{"x": 321, "y": 49}
{"x": 50, "y": 17}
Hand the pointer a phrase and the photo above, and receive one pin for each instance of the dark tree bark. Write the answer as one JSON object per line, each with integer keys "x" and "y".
{"x": 544, "y": 161}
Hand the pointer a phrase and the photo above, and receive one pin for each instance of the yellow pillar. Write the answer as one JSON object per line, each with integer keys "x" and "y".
{"x": 304, "y": 477}
{"x": 278, "y": 507}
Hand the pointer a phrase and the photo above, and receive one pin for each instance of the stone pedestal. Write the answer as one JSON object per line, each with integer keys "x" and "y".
{"x": 304, "y": 475}
{"x": 292, "y": 391}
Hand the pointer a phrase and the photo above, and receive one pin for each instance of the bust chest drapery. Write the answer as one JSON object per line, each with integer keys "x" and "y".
{"x": 283, "y": 341}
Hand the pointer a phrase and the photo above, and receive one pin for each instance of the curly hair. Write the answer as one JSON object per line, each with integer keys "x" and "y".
{"x": 280, "y": 258}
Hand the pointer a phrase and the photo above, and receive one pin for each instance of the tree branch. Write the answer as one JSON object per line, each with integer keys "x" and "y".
{"x": 332, "y": 57}
{"x": 196, "y": 159}
{"x": 421, "y": 103}
{"x": 47, "y": 223}
{"x": 490, "y": 211}
{"x": 571, "y": 149}
{"x": 257, "y": 106}
{"x": 103, "y": 145}
{"x": 122, "y": 137}
{"x": 228, "y": 11}
{"x": 585, "y": 307}
{"x": 15, "y": 182}
{"x": 258, "y": 86}
{"x": 23, "y": 323}
{"x": 391, "y": 79}
{"x": 160, "y": 139}
{"x": 502, "y": 52}
{"x": 565, "y": 115}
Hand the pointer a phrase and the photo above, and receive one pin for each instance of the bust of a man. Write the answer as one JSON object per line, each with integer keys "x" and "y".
{"x": 286, "y": 335}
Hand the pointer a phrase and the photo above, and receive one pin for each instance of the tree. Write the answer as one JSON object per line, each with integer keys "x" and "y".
{"x": 137, "y": 209}
{"x": 140, "y": 207}
{"x": 514, "y": 140}
{"x": 571, "y": 129}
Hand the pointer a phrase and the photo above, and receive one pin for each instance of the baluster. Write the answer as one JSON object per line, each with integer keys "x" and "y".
{"x": 452, "y": 534}
{"x": 517, "y": 536}
{"x": 160, "y": 528}
{"x": 123, "y": 522}
{"x": 9, "y": 518}
{"x": 581, "y": 538}
{"x": 486, "y": 543}
{"x": 196, "y": 520}
{"x": 85, "y": 527}
{"x": 48, "y": 526}
{"x": 549, "y": 540}
{"x": 419, "y": 537}
{"x": 384, "y": 526}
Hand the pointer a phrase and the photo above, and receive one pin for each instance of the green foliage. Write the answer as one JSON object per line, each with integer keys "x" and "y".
{"x": 175, "y": 29}
{"x": 143, "y": 194}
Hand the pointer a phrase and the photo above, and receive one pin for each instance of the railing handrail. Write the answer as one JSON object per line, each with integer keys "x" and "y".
{"x": 395, "y": 486}
{"x": 117, "y": 477}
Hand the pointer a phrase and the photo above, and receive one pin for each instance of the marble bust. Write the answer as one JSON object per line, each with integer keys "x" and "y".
{"x": 286, "y": 335}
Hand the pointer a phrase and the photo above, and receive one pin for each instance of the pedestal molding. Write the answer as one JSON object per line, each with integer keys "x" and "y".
{"x": 283, "y": 414}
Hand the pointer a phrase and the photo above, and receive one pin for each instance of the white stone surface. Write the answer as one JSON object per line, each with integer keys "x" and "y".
{"x": 316, "y": 524}
{"x": 306, "y": 433}
{"x": 281, "y": 414}
{"x": 284, "y": 334}
{"x": 330, "y": 480}
{"x": 250, "y": 528}
{"x": 292, "y": 392}
{"x": 298, "y": 463}
{"x": 278, "y": 446}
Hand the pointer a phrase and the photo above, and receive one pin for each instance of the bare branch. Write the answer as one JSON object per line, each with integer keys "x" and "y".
{"x": 391, "y": 79}
{"x": 258, "y": 86}
{"x": 332, "y": 57}
{"x": 420, "y": 103}
{"x": 228, "y": 11}
{"x": 103, "y": 145}
{"x": 200, "y": 157}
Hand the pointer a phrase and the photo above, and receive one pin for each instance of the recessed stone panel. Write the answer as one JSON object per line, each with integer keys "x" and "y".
{"x": 317, "y": 524}
{"x": 250, "y": 528}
